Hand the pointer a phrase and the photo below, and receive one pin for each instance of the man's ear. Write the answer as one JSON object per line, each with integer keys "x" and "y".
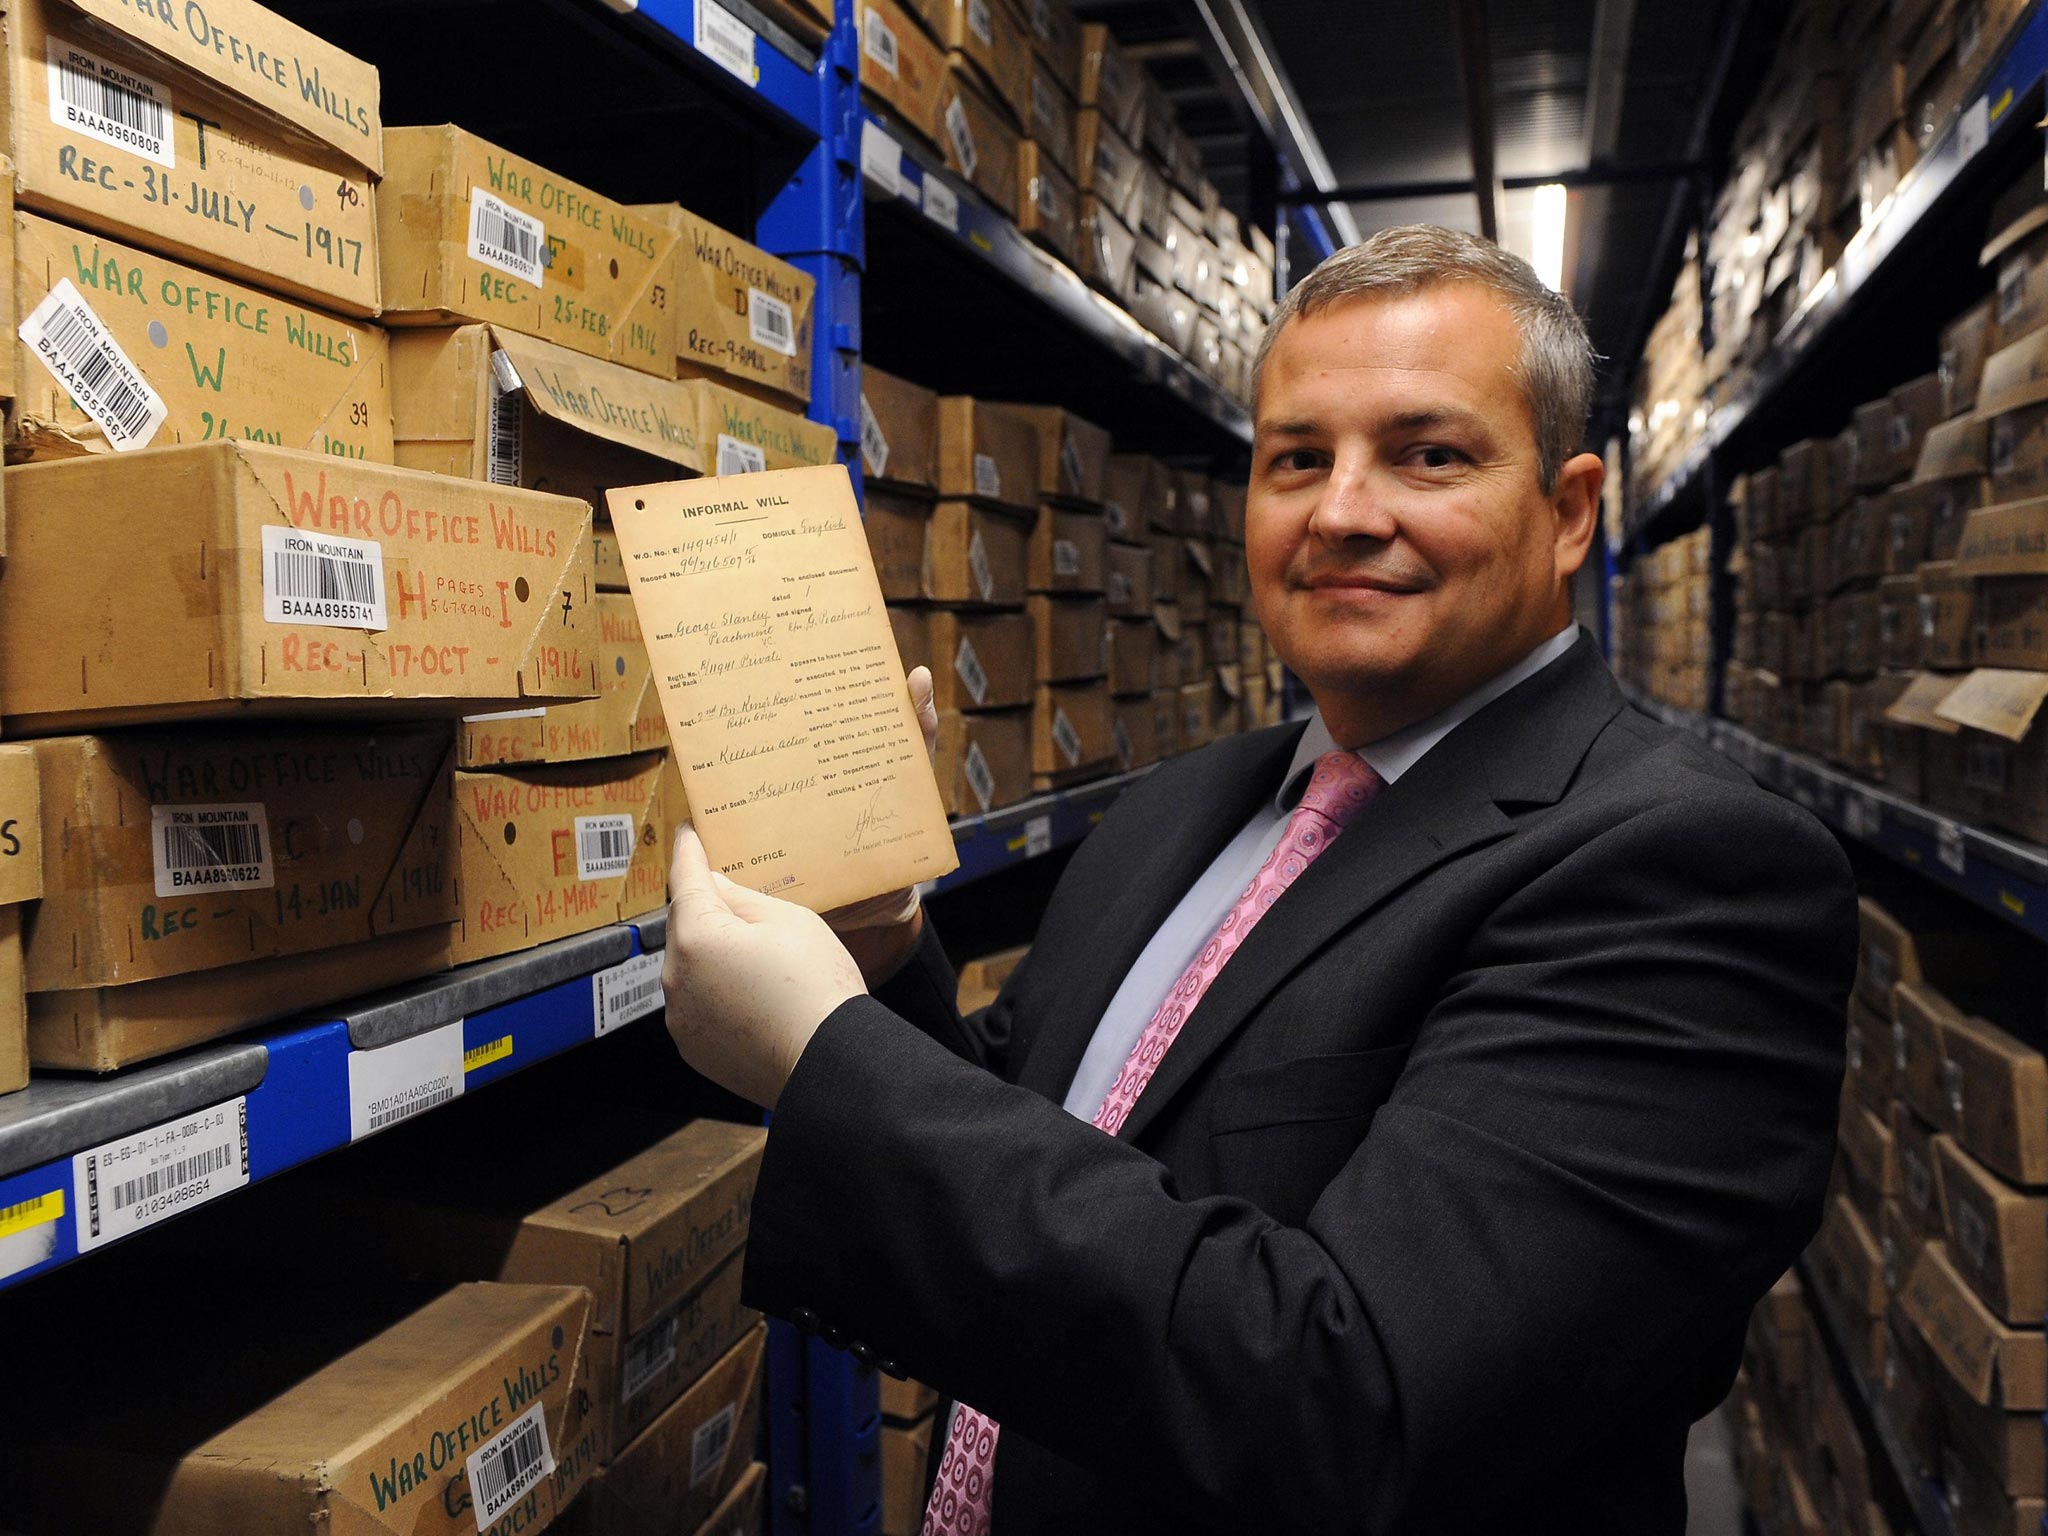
{"x": 1576, "y": 505}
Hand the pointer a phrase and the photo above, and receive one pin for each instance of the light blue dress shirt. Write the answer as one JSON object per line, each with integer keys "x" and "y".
{"x": 1181, "y": 937}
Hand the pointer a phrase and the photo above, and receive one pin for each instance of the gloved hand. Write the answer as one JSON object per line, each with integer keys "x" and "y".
{"x": 881, "y": 932}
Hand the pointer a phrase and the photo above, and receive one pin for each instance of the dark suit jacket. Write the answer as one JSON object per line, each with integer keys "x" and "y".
{"x": 1447, "y": 1207}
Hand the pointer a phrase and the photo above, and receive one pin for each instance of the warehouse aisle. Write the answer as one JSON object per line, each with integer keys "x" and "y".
{"x": 1713, "y": 1493}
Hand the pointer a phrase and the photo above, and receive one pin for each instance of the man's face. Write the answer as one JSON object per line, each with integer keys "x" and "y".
{"x": 1400, "y": 544}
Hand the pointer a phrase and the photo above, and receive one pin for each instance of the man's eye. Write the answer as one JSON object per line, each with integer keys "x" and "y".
{"x": 1438, "y": 457}
{"x": 1297, "y": 459}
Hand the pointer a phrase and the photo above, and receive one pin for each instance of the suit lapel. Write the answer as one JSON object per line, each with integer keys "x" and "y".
{"x": 1158, "y": 860}
{"x": 1521, "y": 749}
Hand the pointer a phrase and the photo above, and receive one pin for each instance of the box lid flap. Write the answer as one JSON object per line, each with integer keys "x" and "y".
{"x": 603, "y": 399}
{"x": 2015, "y": 376}
{"x": 1953, "y": 448}
{"x": 280, "y": 68}
{"x": 1998, "y": 700}
{"x": 1916, "y": 706}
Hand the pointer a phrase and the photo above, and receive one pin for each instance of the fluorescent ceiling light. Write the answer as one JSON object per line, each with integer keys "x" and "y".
{"x": 1547, "y": 255}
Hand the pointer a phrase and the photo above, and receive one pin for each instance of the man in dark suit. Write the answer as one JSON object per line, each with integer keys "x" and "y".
{"x": 1398, "y": 1115}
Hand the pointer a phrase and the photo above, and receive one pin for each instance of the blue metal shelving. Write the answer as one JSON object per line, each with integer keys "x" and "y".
{"x": 739, "y": 52}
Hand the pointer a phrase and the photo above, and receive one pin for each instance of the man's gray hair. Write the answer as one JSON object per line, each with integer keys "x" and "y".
{"x": 1556, "y": 366}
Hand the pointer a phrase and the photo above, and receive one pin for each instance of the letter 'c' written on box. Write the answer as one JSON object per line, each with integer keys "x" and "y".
{"x": 806, "y": 773}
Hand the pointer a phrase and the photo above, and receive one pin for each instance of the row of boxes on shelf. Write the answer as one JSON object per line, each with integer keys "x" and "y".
{"x": 1082, "y": 611}
{"x": 1857, "y": 92}
{"x": 1073, "y": 140}
{"x": 1934, "y": 1246}
{"x": 1663, "y": 632}
{"x": 562, "y": 1346}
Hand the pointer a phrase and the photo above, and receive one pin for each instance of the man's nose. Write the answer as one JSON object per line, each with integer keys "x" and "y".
{"x": 1355, "y": 503}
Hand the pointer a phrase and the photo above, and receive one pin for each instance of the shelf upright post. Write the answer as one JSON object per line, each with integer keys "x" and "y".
{"x": 824, "y": 1409}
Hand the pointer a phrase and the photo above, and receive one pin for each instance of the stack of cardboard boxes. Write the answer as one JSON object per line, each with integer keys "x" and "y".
{"x": 1081, "y": 611}
{"x": 1055, "y": 125}
{"x": 1663, "y": 621}
{"x": 1858, "y": 92}
{"x": 1934, "y": 1247}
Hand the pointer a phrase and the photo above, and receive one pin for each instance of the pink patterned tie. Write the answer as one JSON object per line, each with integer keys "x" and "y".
{"x": 1340, "y": 787}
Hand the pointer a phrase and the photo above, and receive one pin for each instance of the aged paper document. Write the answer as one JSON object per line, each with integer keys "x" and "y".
{"x": 786, "y": 704}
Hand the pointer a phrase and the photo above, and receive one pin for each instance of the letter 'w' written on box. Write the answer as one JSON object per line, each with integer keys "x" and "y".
{"x": 792, "y": 726}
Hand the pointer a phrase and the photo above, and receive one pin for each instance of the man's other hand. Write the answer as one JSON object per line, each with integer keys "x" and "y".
{"x": 881, "y": 932}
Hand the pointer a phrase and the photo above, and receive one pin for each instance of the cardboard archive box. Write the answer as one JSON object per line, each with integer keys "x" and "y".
{"x": 976, "y": 138}
{"x": 1073, "y": 733}
{"x": 978, "y": 660}
{"x": 1048, "y": 202}
{"x": 1136, "y": 732}
{"x": 1052, "y": 124}
{"x": 981, "y": 980}
{"x": 199, "y": 858}
{"x": 903, "y": 67}
{"x": 482, "y": 403}
{"x": 467, "y": 231}
{"x": 1073, "y": 457}
{"x": 899, "y": 431}
{"x": 983, "y": 759}
{"x": 685, "y": 1465}
{"x": 548, "y": 850}
{"x": 742, "y": 434}
{"x": 1069, "y": 551}
{"x": 283, "y": 582}
{"x": 1997, "y": 1237}
{"x": 1112, "y": 82}
{"x": 1070, "y": 639}
{"x": 987, "y": 36}
{"x": 21, "y": 880}
{"x": 656, "y": 1240}
{"x": 740, "y": 313}
{"x": 449, "y": 1420}
{"x": 988, "y": 452}
{"x": 958, "y": 553}
{"x": 165, "y": 131}
{"x": 624, "y": 718}
{"x": 205, "y": 357}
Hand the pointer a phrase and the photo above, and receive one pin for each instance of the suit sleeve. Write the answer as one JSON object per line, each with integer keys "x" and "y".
{"x": 1614, "y": 1129}
{"x": 926, "y": 993}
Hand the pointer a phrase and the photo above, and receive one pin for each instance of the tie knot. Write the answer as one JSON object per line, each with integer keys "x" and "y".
{"x": 1340, "y": 786}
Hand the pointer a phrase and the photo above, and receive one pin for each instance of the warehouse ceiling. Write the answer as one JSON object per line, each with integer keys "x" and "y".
{"x": 1635, "y": 89}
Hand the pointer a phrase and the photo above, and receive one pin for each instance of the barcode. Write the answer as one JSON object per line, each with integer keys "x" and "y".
{"x": 77, "y": 339}
{"x": 518, "y": 1454}
{"x": 131, "y": 114}
{"x": 184, "y": 1171}
{"x": 770, "y": 323}
{"x": 491, "y": 225}
{"x": 738, "y": 458}
{"x": 506, "y": 425}
{"x": 881, "y": 42}
{"x": 190, "y": 847}
{"x": 710, "y": 1444}
{"x": 647, "y": 1357}
{"x": 322, "y": 578}
{"x": 411, "y": 1107}
{"x": 604, "y": 845}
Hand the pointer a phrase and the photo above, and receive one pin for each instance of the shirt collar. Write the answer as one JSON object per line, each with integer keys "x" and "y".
{"x": 1391, "y": 756}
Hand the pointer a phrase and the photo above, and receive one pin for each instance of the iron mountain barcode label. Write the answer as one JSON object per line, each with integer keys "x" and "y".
{"x": 503, "y": 237}
{"x": 123, "y": 1186}
{"x": 604, "y": 846}
{"x": 502, "y": 1470}
{"x": 770, "y": 323}
{"x": 210, "y": 848}
{"x": 68, "y": 339}
{"x": 116, "y": 106}
{"x": 309, "y": 578}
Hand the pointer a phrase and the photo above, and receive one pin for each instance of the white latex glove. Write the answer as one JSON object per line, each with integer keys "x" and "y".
{"x": 749, "y": 977}
{"x": 882, "y": 930}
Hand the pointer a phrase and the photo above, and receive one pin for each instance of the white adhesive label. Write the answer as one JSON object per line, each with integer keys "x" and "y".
{"x": 505, "y": 428}
{"x": 1070, "y": 464}
{"x": 210, "y": 848}
{"x": 962, "y": 136}
{"x": 974, "y": 766}
{"x": 28, "y": 1232}
{"x": 977, "y": 562}
{"x": 881, "y": 158}
{"x": 726, "y": 40}
{"x": 1116, "y": 517}
{"x": 980, "y": 23}
{"x": 501, "y": 1471}
{"x": 1971, "y": 1233}
{"x": 1065, "y": 737}
{"x": 111, "y": 103}
{"x": 1037, "y": 836}
{"x": 770, "y": 323}
{"x": 1066, "y": 558}
{"x": 503, "y": 237}
{"x": 395, "y": 1082}
{"x": 2004, "y": 440}
{"x": 1125, "y": 755}
{"x": 711, "y": 1444}
{"x": 968, "y": 665}
{"x": 1043, "y": 197}
{"x": 311, "y": 578}
{"x": 942, "y": 204}
{"x": 1973, "y": 129}
{"x": 627, "y": 991}
{"x": 738, "y": 458}
{"x": 648, "y": 1354}
{"x": 874, "y": 447}
{"x": 68, "y": 339}
{"x": 1949, "y": 846}
{"x": 1042, "y": 107}
{"x": 988, "y": 479}
{"x": 126, "y": 1185}
{"x": 878, "y": 41}
{"x": 1119, "y": 590}
{"x": 604, "y": 846}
